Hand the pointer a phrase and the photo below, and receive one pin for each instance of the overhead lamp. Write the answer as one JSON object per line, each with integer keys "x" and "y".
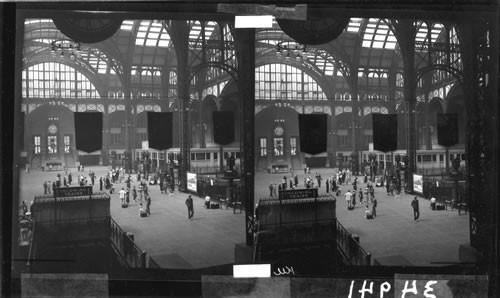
{"x": 65, "y": 48}
{"x": 291, "y": 49}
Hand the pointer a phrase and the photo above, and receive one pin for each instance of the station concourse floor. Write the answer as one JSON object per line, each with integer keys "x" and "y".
{"x": 174, "y": 241}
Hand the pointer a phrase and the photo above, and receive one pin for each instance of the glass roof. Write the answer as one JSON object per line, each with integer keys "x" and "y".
{"x": 379, "y": 35}
{"x": 96, "y": 59}
{"x": 127, "y": 25}
{"x": 152, "y": 34}
{"x": 196, "y": 30}
{"x": 423, "y": 31}
{"x": 354, "y": 25}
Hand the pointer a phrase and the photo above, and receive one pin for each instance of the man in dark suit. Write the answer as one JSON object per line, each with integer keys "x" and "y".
{"x": 414, "y": 205}
{"x": 189, "y": 204}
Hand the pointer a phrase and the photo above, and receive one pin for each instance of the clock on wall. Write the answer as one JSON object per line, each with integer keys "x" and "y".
{"x": 52, "y": 129}
{"x": 278, "y": 131}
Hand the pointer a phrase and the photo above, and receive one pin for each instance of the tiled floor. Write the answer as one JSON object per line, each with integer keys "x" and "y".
{"x": 209, "y": 239}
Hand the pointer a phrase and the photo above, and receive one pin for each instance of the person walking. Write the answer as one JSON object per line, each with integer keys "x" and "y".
{"x": 360, "y": 196}
{"x": 100, "y": 184}
{"x": 348, "y": 197}
{"x": 189, "y": 204}
{"x": 148, "y": 203}
{"x": 327, "y": 185}
{"x": 121, "y": 195}
{"x": 134, "y": 194}
{"x": 45, "y": 187}
{"x": 414, "y": 205}
{"x": 271, "y": 190}
{"x": 374, "y": 208}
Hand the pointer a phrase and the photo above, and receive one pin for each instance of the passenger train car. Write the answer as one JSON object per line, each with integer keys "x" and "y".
{"x": 202, "y": 160}
{"x": 429, "y": 162}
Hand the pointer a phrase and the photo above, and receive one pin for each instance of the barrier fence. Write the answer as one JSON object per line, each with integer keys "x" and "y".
{"x": 349, "y": 246}
{"x": 124, "y": 242}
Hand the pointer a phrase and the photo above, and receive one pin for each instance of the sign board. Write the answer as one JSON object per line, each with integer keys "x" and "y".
{"x": 192, "y": 181}
{"x": 72, "y": 191}
{"x": 298, "y": 193}
{"x": 418, "y": 183}
{"x": 145, "y": 145}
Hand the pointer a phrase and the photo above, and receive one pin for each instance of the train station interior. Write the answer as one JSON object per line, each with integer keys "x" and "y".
{"x": 259, "y": 196}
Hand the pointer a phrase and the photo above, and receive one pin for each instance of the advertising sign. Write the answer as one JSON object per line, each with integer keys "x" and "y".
{"x": 418, "y": 183}
{"x": 192, "y": 180}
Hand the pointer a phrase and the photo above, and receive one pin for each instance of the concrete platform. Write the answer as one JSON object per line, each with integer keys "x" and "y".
{"x": 210, "y": 238}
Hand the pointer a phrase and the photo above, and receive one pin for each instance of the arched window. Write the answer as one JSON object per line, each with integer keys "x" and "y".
{"x": 285, "y": 82}
{"x": 56, "y": 80}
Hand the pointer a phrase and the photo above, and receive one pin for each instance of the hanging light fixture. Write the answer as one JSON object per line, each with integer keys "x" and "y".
{"x": 291, "y": 50}
{"x": 65, "y": 48}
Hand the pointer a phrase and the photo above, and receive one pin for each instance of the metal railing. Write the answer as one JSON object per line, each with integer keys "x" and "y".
{"x": 349, "y": 246}
{"x": 131, "y": 253}
{"x": 31, "y": 252}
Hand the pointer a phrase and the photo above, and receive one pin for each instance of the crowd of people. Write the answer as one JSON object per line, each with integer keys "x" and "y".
{"x": 360, "y": 190}
{"x": 138, "y": 192}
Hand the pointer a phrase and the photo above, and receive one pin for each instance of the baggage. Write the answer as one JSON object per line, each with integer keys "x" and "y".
{"x": 350, "y": 208}
{"x": 124, "y": 205}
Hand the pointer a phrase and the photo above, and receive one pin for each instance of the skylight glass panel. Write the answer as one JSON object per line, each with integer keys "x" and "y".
{"x": 44, "y": 40}
{"x": 127, "y": 25}
{"x": 37, "y": 21}
{"x": 151, "y": 42}
{"x": 436, "y": 31}
{"x": 163, "y": 43}
{"x": 391, "y": 38}
{"x": 367, "y": 43}
{"x": 378, "y": 35}
{"x": 390, "y": 45}
{"x": 102, "y": 69}
{"x": 152, "y": 34}
{"x": 354, "y": 25}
